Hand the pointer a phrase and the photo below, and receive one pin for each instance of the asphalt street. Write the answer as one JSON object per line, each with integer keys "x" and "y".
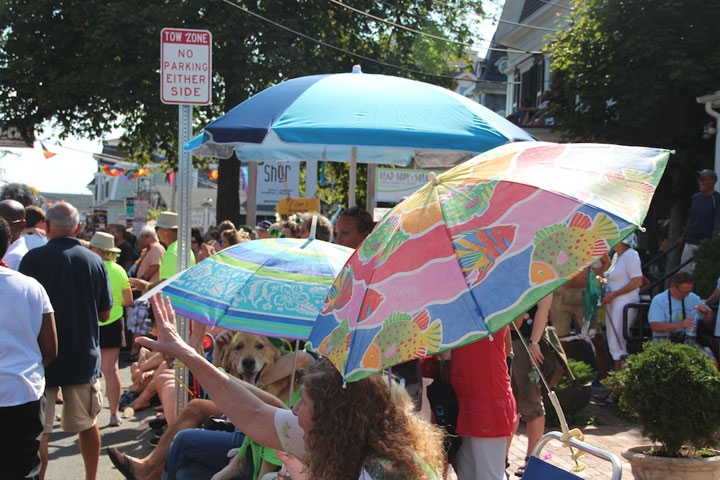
{"x": 131, "y": 437}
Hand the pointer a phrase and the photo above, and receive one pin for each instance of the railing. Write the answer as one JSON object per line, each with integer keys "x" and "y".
{"x": 639, "y": 332}
{"x": 660, "y": 256}
{"x": 652, "y": 272}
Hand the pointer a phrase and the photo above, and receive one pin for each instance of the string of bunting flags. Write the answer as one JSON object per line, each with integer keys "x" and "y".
{"x": 133, "y": 173}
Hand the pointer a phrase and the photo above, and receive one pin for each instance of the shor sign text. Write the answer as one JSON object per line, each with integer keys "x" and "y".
{"x": 185, "y": 66}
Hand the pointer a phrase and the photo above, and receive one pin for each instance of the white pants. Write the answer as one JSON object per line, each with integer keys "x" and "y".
{"x": 481, "y": 458}
{"x": 614, "y": 314}
{"x": 687, "y": 253}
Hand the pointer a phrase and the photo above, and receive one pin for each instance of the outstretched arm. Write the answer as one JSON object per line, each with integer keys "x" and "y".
{"x": 245, "y": 410}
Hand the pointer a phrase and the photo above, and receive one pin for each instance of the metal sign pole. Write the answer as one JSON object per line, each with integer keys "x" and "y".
{"x": 183, "y": 241}
{"x": 180, "y": 47}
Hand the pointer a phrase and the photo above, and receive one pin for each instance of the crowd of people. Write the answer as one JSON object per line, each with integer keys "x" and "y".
{"x": 71, "y": 305}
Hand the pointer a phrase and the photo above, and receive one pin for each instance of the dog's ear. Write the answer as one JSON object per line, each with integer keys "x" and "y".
{"x": 277, "y": 353}
{"x": 220, "y": 354}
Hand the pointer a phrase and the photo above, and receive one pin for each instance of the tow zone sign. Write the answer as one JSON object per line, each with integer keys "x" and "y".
{"x": 185, "y": 66}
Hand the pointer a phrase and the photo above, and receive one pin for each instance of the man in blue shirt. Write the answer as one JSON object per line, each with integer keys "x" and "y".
{"x": 673, "y": 309}
{"x": 677, "y": 309}
{"x": 703, "y": 214}
{"x": 77, "y": 283}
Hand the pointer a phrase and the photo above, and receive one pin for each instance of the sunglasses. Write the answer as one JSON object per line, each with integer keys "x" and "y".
{"x": 275, "y": 232}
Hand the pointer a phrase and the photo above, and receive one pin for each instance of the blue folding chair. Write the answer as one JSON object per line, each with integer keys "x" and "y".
{"x": 540, "y": 470}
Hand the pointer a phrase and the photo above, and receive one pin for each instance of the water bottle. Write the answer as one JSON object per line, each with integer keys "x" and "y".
{"x": 691, "y": 332}
{"x": 605, "y": 290}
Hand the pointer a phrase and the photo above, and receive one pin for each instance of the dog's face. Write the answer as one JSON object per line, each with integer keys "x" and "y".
{"x": 247, "y": 356}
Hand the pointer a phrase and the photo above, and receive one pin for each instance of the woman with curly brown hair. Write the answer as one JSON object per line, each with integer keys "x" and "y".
{"x": 352, "y": 430}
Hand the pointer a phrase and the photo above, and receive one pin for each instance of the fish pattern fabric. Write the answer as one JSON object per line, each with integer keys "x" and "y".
{"x": 563, "y": 249}
{"x": 478, "y": 246}
{"x": 403, "y": 338}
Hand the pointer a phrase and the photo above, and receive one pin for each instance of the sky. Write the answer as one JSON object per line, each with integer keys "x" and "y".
{"x": 68, "y": 171}
{"x": 73, "y": 167}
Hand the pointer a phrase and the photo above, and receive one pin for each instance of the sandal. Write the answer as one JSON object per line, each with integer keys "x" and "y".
{"x": 124, "y": 466}
{"x": 521, "y": 471}
{"x": 114, "y": 421}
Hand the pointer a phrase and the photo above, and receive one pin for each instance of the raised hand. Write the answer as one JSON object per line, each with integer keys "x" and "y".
{"x": 169, "y": 341}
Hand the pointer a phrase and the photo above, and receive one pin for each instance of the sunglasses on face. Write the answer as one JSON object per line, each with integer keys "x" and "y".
{"x": 275, "y": 232}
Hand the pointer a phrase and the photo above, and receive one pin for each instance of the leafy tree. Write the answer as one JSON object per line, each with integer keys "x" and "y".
{"x": 630, "y": 71}
{"x": 92, "y": 66}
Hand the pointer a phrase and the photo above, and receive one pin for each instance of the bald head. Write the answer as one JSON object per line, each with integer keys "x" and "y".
{"x": 62, "y": 220}
{"x": 14, "y": 214}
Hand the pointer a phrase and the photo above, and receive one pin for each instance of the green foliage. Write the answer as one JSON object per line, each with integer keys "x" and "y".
{"x": 707, "y": 267}
{"x": 672, "y": 390}
{"x": 630, "y": 71}
{"x": 92, "y": 66}
{"x": 582, "y": 372}
{"x": 337, "y": 181}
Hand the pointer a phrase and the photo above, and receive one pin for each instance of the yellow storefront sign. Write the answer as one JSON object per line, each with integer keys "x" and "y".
{"x": 288, "y": 206}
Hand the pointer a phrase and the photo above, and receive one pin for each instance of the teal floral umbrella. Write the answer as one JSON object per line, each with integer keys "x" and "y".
{"x": 273, "y": 287}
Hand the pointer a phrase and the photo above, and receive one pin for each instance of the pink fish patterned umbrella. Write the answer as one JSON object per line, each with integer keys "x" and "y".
{"x": 479, "y": 245}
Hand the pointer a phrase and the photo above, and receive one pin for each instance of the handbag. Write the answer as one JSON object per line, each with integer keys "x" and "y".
{"x": 444, "y": 406}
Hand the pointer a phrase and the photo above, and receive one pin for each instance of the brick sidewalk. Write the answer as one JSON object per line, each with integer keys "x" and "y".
{"x": 615, "y": 435}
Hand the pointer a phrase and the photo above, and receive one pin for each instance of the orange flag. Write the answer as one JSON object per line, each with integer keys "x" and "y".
{"x": 46, "y": 152}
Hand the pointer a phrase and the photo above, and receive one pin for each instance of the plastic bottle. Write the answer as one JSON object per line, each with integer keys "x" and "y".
{"x": 605, "y": 290}
{"x": 691, "y": 332}
{"x": 128, "y": 412}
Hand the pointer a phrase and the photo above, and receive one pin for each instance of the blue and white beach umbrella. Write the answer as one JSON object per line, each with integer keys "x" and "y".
{"x": 365, "y": 118}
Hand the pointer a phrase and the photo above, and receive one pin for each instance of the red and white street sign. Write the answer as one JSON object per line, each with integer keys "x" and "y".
{"x": 185, "y": 66}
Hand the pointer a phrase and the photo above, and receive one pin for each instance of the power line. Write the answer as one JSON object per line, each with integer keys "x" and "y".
{"x": 421, "y": 17}
{"x": 328, "y": 45}
{"x": 437, "y": 37}
{"x": 556, "y": 5}
{"x": 527, "y": 25}
{"x": 521, "y": 25}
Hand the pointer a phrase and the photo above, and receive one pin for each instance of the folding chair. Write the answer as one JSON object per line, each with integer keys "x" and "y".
{"x": 540, "y": 470}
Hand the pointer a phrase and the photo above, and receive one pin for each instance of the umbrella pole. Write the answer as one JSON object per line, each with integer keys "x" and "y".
{"x": 551, "y": 394}
{"x": 292, "y": 375}
{"x": 353, "y": 177}
{"x": 313, "y": 227}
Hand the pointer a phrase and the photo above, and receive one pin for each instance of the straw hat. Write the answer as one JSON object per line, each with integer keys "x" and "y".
{"x": 104, "y": 241}
{"x": 167, "y": 220}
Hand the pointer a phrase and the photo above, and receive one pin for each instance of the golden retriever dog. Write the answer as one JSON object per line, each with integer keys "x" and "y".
{"x": 251, "y": 358}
